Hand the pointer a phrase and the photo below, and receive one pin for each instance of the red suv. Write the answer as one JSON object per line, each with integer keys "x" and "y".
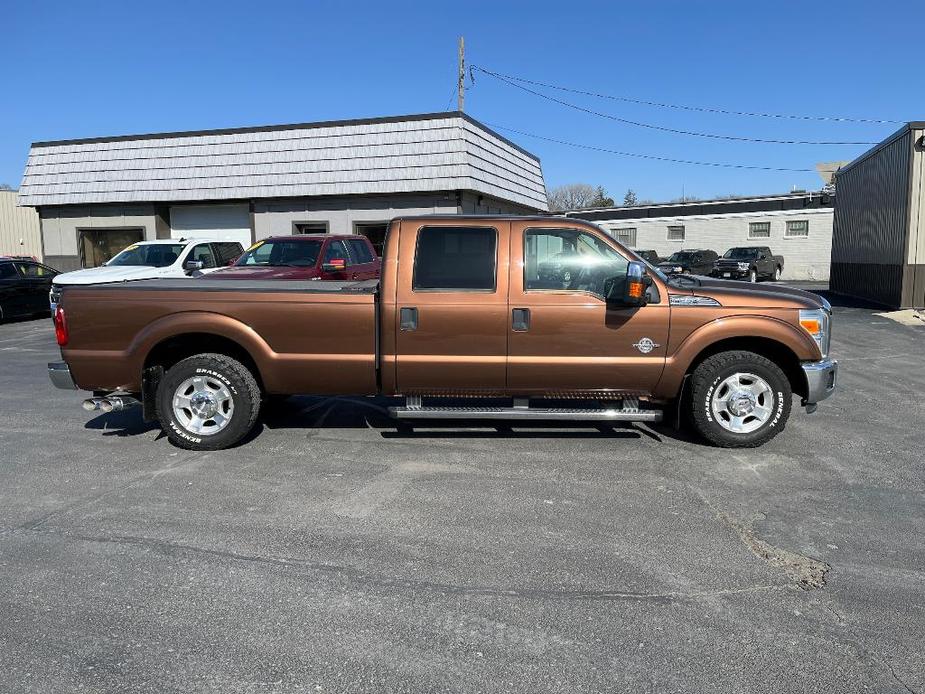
{"x": 306, "y": 257}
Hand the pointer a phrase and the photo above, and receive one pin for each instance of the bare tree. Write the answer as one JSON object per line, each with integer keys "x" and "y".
{"x": 5, "y": 186}
{"x": 572, "y": 196}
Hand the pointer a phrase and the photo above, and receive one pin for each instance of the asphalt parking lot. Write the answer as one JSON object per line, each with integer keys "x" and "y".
{"x": 335, "y": 553}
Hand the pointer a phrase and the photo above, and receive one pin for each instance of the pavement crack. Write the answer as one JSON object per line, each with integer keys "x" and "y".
{"x": 370, "y": 580}
{"x": 806, "y": 572}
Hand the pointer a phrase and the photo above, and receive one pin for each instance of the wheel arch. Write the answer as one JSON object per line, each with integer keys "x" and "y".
{"x": 774, "y": 339}
{"x": 175, "y": 348}
{"x": 769, "y": 348}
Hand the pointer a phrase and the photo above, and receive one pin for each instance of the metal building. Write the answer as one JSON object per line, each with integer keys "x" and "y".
{"x": 878, "y": 243}
{"x": 797, "y": 226}
{"x": 95, "y": 196}
{"x": 20, "y": 233}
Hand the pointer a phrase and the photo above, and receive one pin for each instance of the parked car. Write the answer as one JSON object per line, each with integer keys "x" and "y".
{"x": 749, "y": 262}
{"x": 152, "y": 259}
{"x": 24, "y": 286}
{"x": 650, "y": 257}
{"x": 692, "y": 262}
{"x": 460, "y": 311}
{"x": 306, "y": 257}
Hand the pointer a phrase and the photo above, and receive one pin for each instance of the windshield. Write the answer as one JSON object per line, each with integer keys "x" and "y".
{"x": 680, "y": 257}
{"x": 151, "y": 255}
{"x": 282, "y": 253}
{"x": 741, "y": 253}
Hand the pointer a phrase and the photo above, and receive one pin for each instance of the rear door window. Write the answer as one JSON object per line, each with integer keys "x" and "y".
{"x": 455, "y": 259}
{"x": 7, "y": 271}
{"x": 226, "y": 252}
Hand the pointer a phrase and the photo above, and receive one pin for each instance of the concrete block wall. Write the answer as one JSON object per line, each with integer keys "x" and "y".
{"x": 805, "y": 258}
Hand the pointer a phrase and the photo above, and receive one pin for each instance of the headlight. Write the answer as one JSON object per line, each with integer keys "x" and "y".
{"x": 818, "y": 323}
{"x": 743, "y": 266}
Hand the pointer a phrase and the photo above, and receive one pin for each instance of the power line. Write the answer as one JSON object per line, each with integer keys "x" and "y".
{"x": 662, "y": 128}
{"x": 684, "y": 107}
{"x": 636, "y": 155}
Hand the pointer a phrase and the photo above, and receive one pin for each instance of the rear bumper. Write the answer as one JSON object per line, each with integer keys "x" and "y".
{"x": 821, "y": 377}
{"x": 60, "y": 375}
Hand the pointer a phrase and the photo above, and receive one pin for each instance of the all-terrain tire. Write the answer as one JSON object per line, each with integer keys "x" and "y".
{"x": 777, "y": 274}
{"x": 220, "y": 370}
{"x": 711, "y": 373}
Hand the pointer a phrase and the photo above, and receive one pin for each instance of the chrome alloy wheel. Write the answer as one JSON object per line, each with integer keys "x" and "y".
{"x": 203, "y": 405}
{"x": 742, "y": 403}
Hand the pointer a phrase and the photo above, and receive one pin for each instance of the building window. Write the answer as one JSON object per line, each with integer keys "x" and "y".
{"x": 797, "y": 228}
{"x": 374, "y": 231}
{"x": 676, "y": 233}
{"x": 455, "y": 258}
{"x": 625, "y": 236}
{"x": 759, "y": 230}
{"x": 311, "y": 227}
{"x": 96, "y": 246}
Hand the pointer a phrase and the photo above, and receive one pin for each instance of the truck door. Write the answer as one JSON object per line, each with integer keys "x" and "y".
{"x": 451, "y": 307}
{"x": 563, "y": 336}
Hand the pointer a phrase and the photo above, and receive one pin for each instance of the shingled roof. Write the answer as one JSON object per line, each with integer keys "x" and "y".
{"x": 420, "y": 153}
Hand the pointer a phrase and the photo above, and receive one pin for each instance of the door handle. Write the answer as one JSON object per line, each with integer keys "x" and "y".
{"x": 520, "y": 320}
{"x": 409, "y": 319}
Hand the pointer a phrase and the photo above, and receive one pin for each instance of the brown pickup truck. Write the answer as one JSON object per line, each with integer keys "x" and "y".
{"x": 528, "y": 318}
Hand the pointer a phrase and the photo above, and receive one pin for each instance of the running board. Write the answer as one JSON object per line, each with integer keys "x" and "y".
{"x": 528, "y": 413}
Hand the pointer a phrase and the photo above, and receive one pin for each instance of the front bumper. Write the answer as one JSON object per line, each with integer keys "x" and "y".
{"x": 821, "y": 377}
{"x": 729, "y": 273}
{"x": 60, "y": 375}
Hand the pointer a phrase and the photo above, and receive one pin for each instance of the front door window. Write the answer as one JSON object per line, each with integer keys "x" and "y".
{"x": 569, "y": 260}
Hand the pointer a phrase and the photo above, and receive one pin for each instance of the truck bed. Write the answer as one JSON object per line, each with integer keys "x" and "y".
{"x": 303, "y": 336}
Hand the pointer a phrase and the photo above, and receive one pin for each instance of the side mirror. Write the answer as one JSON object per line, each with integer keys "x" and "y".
{"x": 193, "y": 265}
{"x": 335, "y": 265}
{"x": 629, "y": 290}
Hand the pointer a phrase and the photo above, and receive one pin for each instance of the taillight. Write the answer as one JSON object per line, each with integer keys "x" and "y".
{"x": 60, "y": 327}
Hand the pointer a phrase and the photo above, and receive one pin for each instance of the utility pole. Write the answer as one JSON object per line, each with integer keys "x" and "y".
{"x": 461, "y": 84}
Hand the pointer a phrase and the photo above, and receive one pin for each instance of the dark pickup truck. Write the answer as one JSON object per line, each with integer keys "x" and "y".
{"x": 752, "y": 263}
{"x": 550, "y": 315}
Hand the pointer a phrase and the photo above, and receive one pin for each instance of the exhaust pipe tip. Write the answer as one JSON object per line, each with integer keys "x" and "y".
{"x": 107, "y": 405}
{"x": 90, "y": 404}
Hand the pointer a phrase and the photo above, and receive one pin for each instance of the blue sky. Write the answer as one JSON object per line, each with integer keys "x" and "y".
{"x": 80, "y": 69}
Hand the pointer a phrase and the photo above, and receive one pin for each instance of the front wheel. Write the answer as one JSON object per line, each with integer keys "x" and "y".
{"x": 753, "y": 275}
{"x": 207, "y": 402}
{"x": 739, "y": 399}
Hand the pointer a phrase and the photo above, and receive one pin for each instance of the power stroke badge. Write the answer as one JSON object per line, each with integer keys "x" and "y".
{"x": 645, "y": 345}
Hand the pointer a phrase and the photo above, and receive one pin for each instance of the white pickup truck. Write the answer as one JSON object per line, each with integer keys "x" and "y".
{"x": 150, "y": 260}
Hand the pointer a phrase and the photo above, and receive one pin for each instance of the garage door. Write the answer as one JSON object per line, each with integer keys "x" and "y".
{"x": 213, "y": 222}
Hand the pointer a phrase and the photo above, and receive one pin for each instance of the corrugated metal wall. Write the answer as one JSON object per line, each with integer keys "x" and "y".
{"x": 20, "y": 232}
{"x": 872, "y": 223}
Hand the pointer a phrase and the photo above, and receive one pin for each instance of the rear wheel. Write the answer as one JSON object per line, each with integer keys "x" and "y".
{"x": 207, "y": 402}
{"x": 739, "y": 399}
{"x": 777, "y": 274}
